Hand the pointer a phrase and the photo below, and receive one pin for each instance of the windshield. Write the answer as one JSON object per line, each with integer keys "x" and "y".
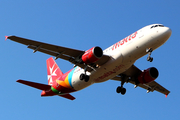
{"x": 157, "y": 26}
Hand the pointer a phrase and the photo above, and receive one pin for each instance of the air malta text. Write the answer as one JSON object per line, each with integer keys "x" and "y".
{"x": 116, "y": 69}
{"x": 125, "y": 40}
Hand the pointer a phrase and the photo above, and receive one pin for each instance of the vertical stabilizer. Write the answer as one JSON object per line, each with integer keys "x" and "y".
{"x": 53, "y": 71}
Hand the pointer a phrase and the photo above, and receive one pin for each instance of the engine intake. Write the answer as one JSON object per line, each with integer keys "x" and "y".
{"x": 148, "y": 75}
{"x": 92, "y": 55}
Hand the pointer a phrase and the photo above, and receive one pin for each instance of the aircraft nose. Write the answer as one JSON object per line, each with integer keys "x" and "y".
{"x": 168, "y": 31}
{"x": 165, "y": 32}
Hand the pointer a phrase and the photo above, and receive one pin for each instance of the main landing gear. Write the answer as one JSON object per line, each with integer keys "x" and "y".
{"x": 121, "y": 89}
{"x": 84, "y": 76}
{"x": 149, "y": 51}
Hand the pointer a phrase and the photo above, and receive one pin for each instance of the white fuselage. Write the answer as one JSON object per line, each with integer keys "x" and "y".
{"x": 123, "y": 54}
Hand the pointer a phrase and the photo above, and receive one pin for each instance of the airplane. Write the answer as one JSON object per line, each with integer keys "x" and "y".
{"x": 96, "y": 65}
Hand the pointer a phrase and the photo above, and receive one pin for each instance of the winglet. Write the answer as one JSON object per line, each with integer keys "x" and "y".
{"x": 166, "y": 95}
{"x": 6, "y": 37}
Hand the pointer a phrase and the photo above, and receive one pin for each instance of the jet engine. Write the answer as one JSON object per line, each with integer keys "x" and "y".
{"x": 92, "y": 55}
{"x": 148, "y": 75}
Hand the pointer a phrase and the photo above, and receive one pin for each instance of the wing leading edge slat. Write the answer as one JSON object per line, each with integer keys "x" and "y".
{"x": 68, "y": 54}
{"x": 54, "y": 48}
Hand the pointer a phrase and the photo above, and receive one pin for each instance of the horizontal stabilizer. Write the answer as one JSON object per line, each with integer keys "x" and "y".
{"x": 35, "y": 85}
{"x": 44, "y": 88}
{"x": 68, "y": 96}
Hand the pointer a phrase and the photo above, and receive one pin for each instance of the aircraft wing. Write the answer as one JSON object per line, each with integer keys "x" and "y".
{"x": 133, "y": 72}
{"x": 71, "y": 55}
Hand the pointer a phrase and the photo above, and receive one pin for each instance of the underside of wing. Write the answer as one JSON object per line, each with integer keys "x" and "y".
{"x": 133, "y": 72}
{"x": 71, "y": 55}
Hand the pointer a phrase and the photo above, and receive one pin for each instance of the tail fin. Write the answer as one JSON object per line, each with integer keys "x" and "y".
{"x": 53, "y": 71}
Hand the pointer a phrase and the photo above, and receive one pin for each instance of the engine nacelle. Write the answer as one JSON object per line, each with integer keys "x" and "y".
{"x": 148, "y": 75}
{"x": 92, "y": 55}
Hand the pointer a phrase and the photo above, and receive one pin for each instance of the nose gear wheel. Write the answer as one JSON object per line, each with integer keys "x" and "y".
{"x": 149, "y": 51}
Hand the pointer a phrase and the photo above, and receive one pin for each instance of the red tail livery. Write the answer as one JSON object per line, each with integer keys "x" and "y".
{"x": 56, "y": 82}
{"x": 53, "y": 71}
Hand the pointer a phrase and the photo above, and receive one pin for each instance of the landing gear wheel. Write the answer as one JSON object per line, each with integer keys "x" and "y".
{"x": 82, "y": 76}
{"x": 149, "y": 51}
{"x": 118, "y": 90}
{"x": 123, "y": 91}
{"x": 86, "y": 78}
{"x": 150, "y": 59}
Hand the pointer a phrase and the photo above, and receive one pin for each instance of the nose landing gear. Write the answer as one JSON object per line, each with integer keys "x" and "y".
{"x": 149, "y": 51}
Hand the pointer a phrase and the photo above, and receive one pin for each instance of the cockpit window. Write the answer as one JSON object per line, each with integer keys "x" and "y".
{"x": 161, "y": 25}
{"x": 157, "y": 26}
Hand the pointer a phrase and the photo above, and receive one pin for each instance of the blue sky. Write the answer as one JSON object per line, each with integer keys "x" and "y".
{"x": 82, "y": 25}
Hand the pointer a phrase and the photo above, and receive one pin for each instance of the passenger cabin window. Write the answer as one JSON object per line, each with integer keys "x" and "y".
{"x": 157, "y": 26}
